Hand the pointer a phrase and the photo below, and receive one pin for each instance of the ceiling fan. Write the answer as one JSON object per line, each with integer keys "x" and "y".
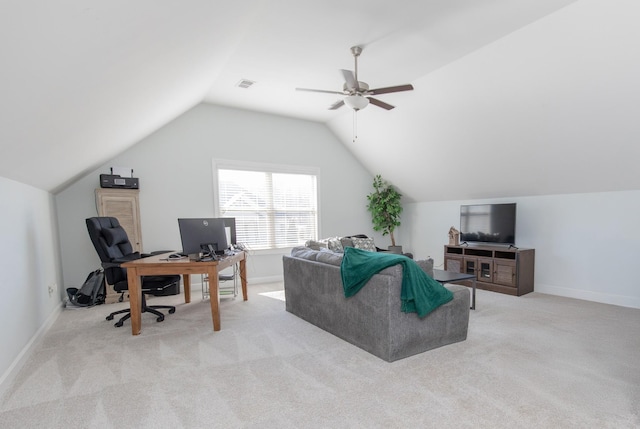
{"x": 357, "y": 94}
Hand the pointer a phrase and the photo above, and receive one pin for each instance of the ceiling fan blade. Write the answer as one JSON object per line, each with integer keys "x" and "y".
{"x": 379, "y": 103}
{"x": 337, "y": 105}
{"x": 407, "y": 87}
{"x": 320, "y": 90}
{"x": 350, "y": 79}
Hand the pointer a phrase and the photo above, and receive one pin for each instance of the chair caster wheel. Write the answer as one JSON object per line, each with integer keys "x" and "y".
{"x": 172, "y": 310}
{"x": 110, "y": 317}
{"x": 160, "y": 319}
{"x": 118, "y": 324}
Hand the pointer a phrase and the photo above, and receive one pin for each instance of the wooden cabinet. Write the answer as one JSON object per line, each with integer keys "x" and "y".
{"x": 124, "y": 205}
{"x": 498, "y": 269}
{"x": 505, "y": 273}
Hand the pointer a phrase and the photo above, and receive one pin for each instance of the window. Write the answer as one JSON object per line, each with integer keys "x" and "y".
{"x": 274, "y": 206}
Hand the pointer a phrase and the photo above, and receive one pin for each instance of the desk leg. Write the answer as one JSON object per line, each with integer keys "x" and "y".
{"x": 243, "y": 278}
{"x": 214, "y": 297}
{"x": 135, "y": 300}
{"x": 473, "y": 295}
{"x": 186, "y": 284}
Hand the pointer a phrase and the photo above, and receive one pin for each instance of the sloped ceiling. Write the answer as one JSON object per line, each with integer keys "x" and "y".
{"x": 540, "y": 96}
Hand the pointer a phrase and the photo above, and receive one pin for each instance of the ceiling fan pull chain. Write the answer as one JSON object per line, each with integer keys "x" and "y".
{"x": 355, "y": 125}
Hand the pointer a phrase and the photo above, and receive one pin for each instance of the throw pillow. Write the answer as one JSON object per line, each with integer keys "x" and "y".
{"x": 315, "y": 245}
{"x": 364, "y": 244}
{"x": 335, "y": 245}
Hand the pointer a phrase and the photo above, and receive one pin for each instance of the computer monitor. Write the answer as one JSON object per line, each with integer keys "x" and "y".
{"x": 230, "y": 226}
{"x": 207, "y": 235}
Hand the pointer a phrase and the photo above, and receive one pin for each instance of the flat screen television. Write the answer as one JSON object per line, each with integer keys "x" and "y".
{"x": 488, "y": 223}
{"x": 207, "y": 235}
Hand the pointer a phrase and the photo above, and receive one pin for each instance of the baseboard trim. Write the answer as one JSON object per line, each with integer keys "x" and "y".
{"x": 266, "y": 279}
{"x": 603, "y": 298}
{"x": 26, "y": 351}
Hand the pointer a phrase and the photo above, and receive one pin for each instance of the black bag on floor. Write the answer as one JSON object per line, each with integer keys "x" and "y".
{"x": 91, "y": 293}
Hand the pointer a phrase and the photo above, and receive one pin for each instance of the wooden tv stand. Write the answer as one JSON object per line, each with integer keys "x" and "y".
{"x": 499, "y": 269}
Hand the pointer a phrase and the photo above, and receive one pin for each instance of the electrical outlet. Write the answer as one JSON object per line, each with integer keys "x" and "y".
{"x": 52, "y": 288}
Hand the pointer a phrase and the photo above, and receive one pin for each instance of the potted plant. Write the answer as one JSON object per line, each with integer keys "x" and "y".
{"x": 385, "y": 208}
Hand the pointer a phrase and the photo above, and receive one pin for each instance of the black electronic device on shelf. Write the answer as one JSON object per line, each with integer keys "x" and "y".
{"x": 116, "y": 181}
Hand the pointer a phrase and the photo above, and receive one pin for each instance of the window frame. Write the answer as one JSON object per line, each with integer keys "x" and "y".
{"x": 227, "y": 164}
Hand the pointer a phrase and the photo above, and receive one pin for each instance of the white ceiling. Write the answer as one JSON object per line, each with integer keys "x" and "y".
{"x": 498, "y": 83}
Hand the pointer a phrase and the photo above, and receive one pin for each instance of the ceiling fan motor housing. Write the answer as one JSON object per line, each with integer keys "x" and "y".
{"x": 362, "y": 87}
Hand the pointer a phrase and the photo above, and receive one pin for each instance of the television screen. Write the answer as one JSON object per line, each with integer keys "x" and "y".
{"x": 203, "y": 235}
{"x": 488, "y": 223}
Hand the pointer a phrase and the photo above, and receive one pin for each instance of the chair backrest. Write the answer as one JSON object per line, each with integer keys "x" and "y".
{"x": 111, "y": 242}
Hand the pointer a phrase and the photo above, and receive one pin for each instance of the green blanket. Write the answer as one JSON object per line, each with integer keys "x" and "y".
{"x": 420, "y": 293}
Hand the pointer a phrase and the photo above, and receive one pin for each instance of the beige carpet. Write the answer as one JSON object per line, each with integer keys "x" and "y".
{"x": 276, "y": 294}
{"x": 535, "y": 361}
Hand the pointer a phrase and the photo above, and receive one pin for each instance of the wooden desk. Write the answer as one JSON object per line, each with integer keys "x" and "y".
{"x": 158, "y": 265}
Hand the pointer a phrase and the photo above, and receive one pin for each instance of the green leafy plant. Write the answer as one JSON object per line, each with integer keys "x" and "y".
{"x": 385, "y": 207}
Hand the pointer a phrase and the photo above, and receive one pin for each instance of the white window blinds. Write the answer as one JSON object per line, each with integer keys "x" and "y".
{"x": 272, "y": 209}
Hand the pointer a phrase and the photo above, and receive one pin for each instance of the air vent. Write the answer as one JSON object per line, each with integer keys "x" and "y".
{"x": 245, "y": 83}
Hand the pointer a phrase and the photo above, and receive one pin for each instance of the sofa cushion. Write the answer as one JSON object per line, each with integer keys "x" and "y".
{"x": 328, "y": 257}
{"x": 304, "y": 253}
{"x": 364, "y": 244}
{"x": 323, "y": 255}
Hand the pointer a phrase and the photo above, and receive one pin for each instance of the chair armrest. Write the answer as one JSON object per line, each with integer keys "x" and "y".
{"x": 107, "y": 265}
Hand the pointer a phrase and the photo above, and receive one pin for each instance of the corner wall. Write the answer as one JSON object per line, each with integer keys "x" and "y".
{"x": 30, "y": 264}
{"x": 587, "y": 245}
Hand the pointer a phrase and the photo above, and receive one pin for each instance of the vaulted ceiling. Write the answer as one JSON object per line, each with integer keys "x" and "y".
{"x": 522, "y": 97}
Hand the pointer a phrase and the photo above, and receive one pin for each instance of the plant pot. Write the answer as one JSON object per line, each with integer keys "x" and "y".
{"x": 395, "y": 249}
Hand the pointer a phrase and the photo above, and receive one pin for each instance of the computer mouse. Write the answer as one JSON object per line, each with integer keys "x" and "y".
{"x": 175, "y": 256}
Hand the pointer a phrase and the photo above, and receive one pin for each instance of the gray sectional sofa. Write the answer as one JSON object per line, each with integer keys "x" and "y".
{"x": 371, "y": 319}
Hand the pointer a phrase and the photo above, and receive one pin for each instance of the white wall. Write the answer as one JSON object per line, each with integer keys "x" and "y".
{"x": 586, "y": 244}
{"x": 549, "y": 109}
{"x": 175, "y": 170}
{"x": 29, "y": 264}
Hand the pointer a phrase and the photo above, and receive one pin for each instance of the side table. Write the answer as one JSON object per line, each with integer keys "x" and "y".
{"x": 442, "y": 277}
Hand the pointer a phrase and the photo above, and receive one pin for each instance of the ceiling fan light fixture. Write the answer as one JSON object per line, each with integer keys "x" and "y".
{"x": 356, "y": 101}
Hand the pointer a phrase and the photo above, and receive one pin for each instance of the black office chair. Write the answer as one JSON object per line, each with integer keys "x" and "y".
{"x": 113, "y": 247}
